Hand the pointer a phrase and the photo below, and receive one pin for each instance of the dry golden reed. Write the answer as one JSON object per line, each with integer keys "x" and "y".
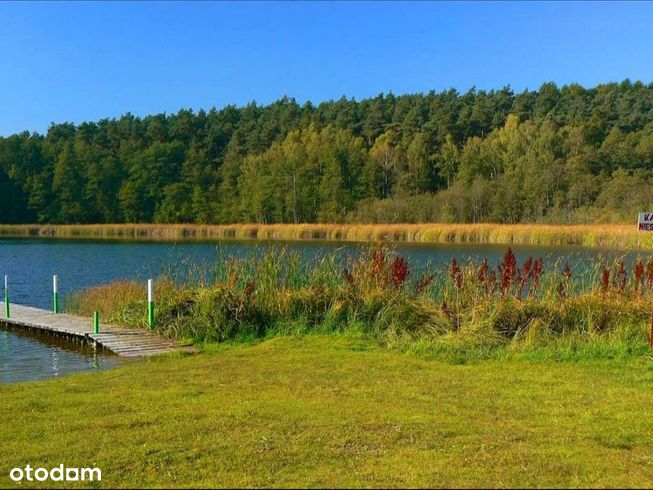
{"x": 603, "y": 235}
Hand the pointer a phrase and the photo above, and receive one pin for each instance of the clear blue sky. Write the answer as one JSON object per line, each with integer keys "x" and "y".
{"x": 83, "y": 61}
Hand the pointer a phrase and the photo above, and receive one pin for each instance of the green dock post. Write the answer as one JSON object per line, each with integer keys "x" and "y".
{"x": 150, "y": 303}
{"x": 55, "y": 293}
{"x": 7, "y": 296}
{"x": 96, "y": 322}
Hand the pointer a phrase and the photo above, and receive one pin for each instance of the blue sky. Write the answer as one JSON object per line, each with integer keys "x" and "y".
{"x": 84, "y": 61}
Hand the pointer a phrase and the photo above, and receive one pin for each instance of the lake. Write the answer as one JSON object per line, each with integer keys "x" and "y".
{"x": 27, "y": 356}
{"x": 30, "y": 264}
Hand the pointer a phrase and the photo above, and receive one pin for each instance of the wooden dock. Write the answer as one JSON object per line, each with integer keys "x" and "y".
{"x": 122, "y": 341}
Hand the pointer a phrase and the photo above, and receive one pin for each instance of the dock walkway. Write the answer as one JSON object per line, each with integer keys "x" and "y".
{"x": 122, "y": 341}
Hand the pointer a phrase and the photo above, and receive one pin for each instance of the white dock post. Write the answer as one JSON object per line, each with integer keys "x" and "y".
{"x": 55, "y": 293}
{"x": 7, "y": 296}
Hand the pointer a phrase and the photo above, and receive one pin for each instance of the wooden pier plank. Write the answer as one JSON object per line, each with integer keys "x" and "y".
{"x": 120, "y": 340}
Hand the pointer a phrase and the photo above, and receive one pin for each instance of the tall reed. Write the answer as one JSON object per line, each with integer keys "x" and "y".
{"x": 624, "y": 236}
{"x": 379, "y": 295}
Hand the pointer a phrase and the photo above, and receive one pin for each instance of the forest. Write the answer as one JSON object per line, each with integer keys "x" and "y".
{"x": 554, "y": 155}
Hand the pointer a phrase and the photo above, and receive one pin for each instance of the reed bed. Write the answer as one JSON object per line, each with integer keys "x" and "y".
{"x": 604, "y": 235}
{"x": 378, "y": 295}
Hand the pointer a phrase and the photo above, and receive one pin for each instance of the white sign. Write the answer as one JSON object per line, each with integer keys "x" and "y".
{"x": 645, "y": 222}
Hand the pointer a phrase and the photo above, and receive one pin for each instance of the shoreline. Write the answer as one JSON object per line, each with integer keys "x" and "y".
{"x": 601, "y": 236}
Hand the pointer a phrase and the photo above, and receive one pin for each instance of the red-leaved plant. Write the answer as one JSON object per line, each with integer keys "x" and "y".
{"x": 249, "y": 289}
{"x": 563, "y": 286}
{"x": 524, "y": 275}
{"x": 507, "y": 270}
{"x": 399, "y": 271}
{"x": 605, "y": 280}
{"x": 483, "y": 274}
{"x": 649, "y": 273}
{"x": 620, "y": 277}
{"x": 536, "y": 273}
{"x": 456, "y": 273}
{"x": 492, "y": 282}
{"x": 378, "y": 264}
{"x": 639, "y": 275}
{"x": 349, "y": 277}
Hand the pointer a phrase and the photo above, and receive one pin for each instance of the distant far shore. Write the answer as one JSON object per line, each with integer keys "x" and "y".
{"x": 601, "y": 235}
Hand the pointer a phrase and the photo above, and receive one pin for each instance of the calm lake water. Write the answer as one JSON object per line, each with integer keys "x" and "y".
{"x": 30, "y": 264}
{"x": 25, "y": 356}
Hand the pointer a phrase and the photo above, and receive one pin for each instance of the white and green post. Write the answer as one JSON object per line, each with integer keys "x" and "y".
{"x": 55, "y": 293}
{"x": 150, "y": 303}
{"x": 7, "y": 295}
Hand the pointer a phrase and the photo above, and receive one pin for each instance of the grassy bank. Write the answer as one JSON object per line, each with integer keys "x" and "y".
{"x": 327, "y": 412}
{"x": 603, "y": 235}
{"x": 464, "y": 311}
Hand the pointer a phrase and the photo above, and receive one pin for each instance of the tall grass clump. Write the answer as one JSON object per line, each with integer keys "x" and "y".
{"x": 508, "y": 306}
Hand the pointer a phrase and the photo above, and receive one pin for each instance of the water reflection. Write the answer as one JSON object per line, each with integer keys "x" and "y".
{"x": 26, "y": 356}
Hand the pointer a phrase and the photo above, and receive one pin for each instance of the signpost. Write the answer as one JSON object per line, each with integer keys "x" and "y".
{"x": 645, "y": 222}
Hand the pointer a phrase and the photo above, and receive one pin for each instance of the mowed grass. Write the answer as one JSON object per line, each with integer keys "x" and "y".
{"x": 317, "y": 411}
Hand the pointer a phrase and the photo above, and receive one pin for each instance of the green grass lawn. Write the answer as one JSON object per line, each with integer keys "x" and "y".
{"x": 322, "y": 411}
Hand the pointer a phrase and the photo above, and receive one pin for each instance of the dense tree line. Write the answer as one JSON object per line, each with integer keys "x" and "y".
{"x": 567, "y": 154}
